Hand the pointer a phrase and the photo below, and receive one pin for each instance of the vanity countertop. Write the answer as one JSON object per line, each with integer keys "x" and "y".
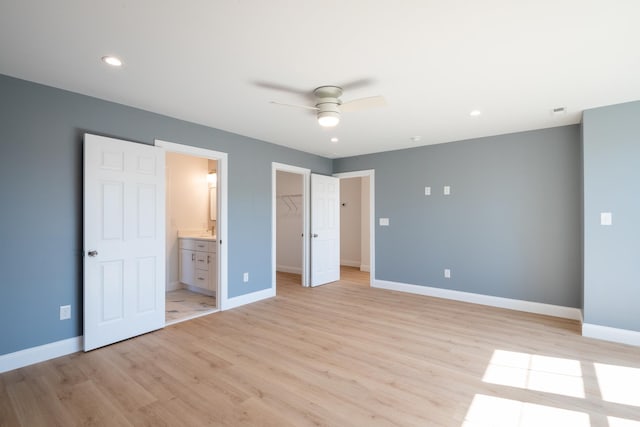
{"x": 196, "y": 235}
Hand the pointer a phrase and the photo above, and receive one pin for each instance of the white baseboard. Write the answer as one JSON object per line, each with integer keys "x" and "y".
{"x": 607, "y": 333}
{"x": 512, "y": 304}
{"x": 248, "y": 298}
{"x": 350, "y": 263}
{"x": 365, "y": 267}
{"x": 29, "y": 356}
{"x": 173, "y": 286}
{"x": 289, "y": 269}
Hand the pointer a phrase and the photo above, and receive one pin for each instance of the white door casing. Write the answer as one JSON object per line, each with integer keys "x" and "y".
{"x": 124, "y": 233}
{"x": 325, "y": 229}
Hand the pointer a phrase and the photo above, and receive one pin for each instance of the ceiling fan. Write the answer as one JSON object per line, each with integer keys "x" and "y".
{"x": 329, "y": 105}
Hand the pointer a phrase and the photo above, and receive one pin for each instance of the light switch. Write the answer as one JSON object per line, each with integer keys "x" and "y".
{"x": 427, "y": 191}
{"x": 447, "y": 273}
{"x": 605, "y": 218}
{"x": 384, "y": 221}
{"x": 447, "y": 190}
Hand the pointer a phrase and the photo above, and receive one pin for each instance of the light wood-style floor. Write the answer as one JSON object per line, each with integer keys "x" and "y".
{"x": 341, "y": 354}
{"x": 350, "y": 275}
{"x": 354, "y": 275}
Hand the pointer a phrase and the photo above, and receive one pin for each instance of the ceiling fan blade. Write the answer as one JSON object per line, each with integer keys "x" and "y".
{"x": 363, "y": 103}
{"x": 284, "y": 88}
{"x": 306, "y": 107}
{"x": 357, "y": 84}
{"x": 280, "y": 87}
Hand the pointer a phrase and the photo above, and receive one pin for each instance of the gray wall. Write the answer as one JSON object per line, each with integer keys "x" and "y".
{"x": 611, "y": 139}
{"x": 510, "y": 228}
{"x": 41, "y": 132}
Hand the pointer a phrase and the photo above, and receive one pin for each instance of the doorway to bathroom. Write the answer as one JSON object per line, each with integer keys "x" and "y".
{"x": 195, "y": 226}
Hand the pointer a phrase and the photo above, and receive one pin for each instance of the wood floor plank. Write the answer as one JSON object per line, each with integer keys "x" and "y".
{"x": 89, "y": 406}
{"x": 337, "y": 355}
{"x": 26, "y": 404}
{"x": 127, "y": 394}
{"x": 8, "y": 415}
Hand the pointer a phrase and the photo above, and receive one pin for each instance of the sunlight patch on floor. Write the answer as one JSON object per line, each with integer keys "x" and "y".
{"x": 490, "y": 411}
{"x": 619, "y": 384}
{"x": 534, "y": 372}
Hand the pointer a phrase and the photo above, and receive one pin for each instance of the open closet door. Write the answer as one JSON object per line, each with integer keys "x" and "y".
{"x": 124, "y": 243}
{"x": 325, "y": 229}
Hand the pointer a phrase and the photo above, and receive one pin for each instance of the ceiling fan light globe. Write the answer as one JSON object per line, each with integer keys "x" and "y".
{"x": 328, "y": 119}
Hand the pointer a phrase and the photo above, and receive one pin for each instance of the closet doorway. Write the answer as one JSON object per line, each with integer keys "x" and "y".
{"x": 357, "y": 226}
{"x": 287, "y": 237}
{"x": 290, "y": 219}
{"x": 289, "y": 223}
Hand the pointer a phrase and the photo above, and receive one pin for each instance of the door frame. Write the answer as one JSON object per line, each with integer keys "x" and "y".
{"x": 306, "y": 179}
{"x": 221, "y": 223}
{"x": 372, "y": 238}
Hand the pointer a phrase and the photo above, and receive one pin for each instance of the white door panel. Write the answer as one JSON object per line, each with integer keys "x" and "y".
{"x": 124, "y": 196}
{"x": 325, "y": 229}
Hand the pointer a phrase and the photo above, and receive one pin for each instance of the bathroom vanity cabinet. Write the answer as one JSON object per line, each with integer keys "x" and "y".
{"x": 198, "y": 264}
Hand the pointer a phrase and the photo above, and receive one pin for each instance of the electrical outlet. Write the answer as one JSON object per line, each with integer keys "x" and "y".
{"x": 65, "y": 312}
{"x": 427, "y": 191}
{"x": 446, "y": 190}
{"x": 245, "y": 277}
{"x": 447, "y": 273}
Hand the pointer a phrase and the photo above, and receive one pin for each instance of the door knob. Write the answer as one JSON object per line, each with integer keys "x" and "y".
{"x": 93, "y": 253}
{"x": 315, "y": 234}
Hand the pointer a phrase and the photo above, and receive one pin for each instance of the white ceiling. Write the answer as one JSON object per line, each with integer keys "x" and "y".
{"x": 219, "y": 62}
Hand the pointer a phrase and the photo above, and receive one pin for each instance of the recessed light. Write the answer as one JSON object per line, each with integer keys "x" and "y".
{"x": 416, "y": 138}
{"x": 475, "y": 113}
{"x": 334, "y": 139}
{"x": 114, "y": 61}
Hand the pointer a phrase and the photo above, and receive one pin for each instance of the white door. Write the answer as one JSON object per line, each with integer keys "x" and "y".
{"x": 124, "y": 259}
{"x": 325, "y": 229}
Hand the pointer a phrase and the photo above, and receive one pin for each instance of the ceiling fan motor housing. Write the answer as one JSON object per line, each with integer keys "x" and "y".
{"x": 328, "y": 103}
